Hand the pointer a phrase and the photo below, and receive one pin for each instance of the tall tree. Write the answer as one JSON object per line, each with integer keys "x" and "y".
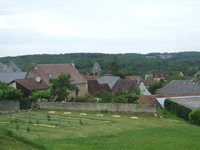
{"x": 62, "y": 86}
{"x": 114, "y": 65}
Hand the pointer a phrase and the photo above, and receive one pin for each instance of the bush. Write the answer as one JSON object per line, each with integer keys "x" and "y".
{"x": 25, "y": 103}
{"x": 194, "y": 116}
{"x": 126, "y": 97}
{"x": 28, "y": 129}
{"x": 105, "y": 97}
{"x": 176, "y": 109}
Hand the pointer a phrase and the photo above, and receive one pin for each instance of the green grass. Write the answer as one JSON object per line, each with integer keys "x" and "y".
{"x": 107, "y": 132}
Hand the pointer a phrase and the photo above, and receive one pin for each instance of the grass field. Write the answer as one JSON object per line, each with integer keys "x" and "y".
{"x": 97, "y": 132}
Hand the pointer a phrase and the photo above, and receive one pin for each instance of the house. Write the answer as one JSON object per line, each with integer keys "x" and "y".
{"x": 42, "y": 73}
{"x": 138, "y": 78}
{"x": 94, "y": 86}
{"x": 180, "y": 87}
{"x": 12, "y": 68}
{"x": 153, "y": 99}
{"x": 89, "y": 77}
{"x": 158, "y": 76}
{"x": 96, "y": 68}
{"x": 27, "y": 86}
{"x": 9, "y": 69}
{"x": 124, "y": 85}
{"x": 8, "y": 77}
{"x": 110, "y": 80}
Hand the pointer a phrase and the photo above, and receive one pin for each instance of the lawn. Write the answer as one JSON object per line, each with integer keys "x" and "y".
{"x": 101, "y": 132}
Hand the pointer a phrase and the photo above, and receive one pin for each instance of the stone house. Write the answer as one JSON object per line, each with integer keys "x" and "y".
{"x": 41, "y": 74}
{"x": 158, "y": 76}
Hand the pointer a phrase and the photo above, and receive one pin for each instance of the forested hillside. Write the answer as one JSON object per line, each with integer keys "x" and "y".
{"x": 187, "y": 62}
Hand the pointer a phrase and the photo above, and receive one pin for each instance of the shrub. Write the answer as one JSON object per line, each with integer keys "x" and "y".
{"x": 80, "y": 121}
{"x": 176, "y": 109}
{"x": 25, "y": 103}
{"x": 28, "y": 129}
{"x": 194, "y": 116}
{"x": 48, "y": 117}
{"x": 17, "y": 127}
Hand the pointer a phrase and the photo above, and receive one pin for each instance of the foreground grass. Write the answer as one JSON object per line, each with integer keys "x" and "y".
{"x": 108, "y": 132}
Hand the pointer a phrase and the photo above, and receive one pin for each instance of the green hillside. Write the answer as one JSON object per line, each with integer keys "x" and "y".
{"x": 139, "y": 64}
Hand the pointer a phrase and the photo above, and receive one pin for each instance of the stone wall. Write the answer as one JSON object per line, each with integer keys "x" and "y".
{"x": 113, "y": 107}
{"x": 9, "y": 105}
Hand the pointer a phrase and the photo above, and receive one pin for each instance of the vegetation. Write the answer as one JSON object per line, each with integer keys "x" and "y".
{"x": 44, "y": 94}
{"x": 126, "y": 97}
{"x": 187, "y": 62}
{"x": 194, "y": 116}
{"x": 176, "y": 109}
{"x": 62, "y": 86}
{"x": 173, "y": 76}
{"x": 106, "y": 132}
{"x": 9, "y": 93}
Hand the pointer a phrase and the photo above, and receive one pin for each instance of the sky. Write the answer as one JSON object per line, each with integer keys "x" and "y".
{"x": 98, "y": 26}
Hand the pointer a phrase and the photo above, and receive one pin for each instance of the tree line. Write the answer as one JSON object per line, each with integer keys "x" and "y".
{"x": 138, "y": 64}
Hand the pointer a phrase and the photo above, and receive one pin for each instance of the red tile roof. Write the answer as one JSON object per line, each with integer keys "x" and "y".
{"x": 133, "y": 77}
{"x": 30, "y": 84}
{"x": 90, "y": 77}
{"x": 54, "y": 70}
{"x": 106, "y": 87}
{"x": 124, "y": 85}
{"x": 93, "y": 86}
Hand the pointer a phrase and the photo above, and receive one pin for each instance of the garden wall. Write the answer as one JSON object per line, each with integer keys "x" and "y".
{"x": 113, "y": 107}
{"x": 9, "y": 105}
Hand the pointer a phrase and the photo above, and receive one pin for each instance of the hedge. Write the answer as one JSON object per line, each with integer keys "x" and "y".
{"x": 176, "y": 109}
{"x": 25, "y": 103}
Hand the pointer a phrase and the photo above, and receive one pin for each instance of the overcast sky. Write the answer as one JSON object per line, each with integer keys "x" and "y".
{"x": 105, "y": 26}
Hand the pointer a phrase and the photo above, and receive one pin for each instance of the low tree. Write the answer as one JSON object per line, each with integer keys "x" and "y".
{"x": 9, "y": 92}
{"x": 44, "y": 94}
{"x": 173, "y": 76}
{"x": 114, "y": 65}
{"x": 62, "y": 86}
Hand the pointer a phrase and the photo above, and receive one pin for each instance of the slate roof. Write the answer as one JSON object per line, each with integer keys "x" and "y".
{"x": 54, "y": 70}
{"x": 12, "y": 68}
{"x": 151, "y": 99}
{"x": 180, "y": 87}
{"x": 31, "y": 84}
{"x": 189, "y": 102}
{"x": 111, "y": 80}
{"x": 8, "y": 77}
{"x": 1, "y": 65}
{"x": 96, "y": 67}
{"x": 124, "y": 85}
{"x": 90, "y": 77}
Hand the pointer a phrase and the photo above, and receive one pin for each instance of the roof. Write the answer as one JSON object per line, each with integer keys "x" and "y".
{"x": 8, "y": 77}
{"x": 1, "y": 65}
{"x": 54, "y": 70}
{"x": 162, "y": 74}
{"x": 96, "y": 67}
{"x": 106, "y": 87}
{"x": 93, "y": 86}
{"x": 111, "y": 80}
{"x": 12, "y": 68}
{"x": 148, "y": 82}
{"x": 188, "y": 77}
{"x": 124, "y": 85}
{"x": 189, "y": 102}
{"x": 151, "y": 99}
{"x": 133, "y": 77}
{"x": 31, "y": 84}
{"x": 180, "y": 87}
{"x": 90, "y": 77}
{"x": 198, "y": 73}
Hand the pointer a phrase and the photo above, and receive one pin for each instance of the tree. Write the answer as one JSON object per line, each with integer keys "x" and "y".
{"x": 44, "y": 94}
{"x": 62, "y": 86}
{"x": 114, "y": 65}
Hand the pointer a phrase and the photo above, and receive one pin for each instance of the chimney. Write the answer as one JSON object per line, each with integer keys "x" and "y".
{"x": 72, "y": 63}
{"x": 33, "y": 63}
{"x": 195, "y": 78}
